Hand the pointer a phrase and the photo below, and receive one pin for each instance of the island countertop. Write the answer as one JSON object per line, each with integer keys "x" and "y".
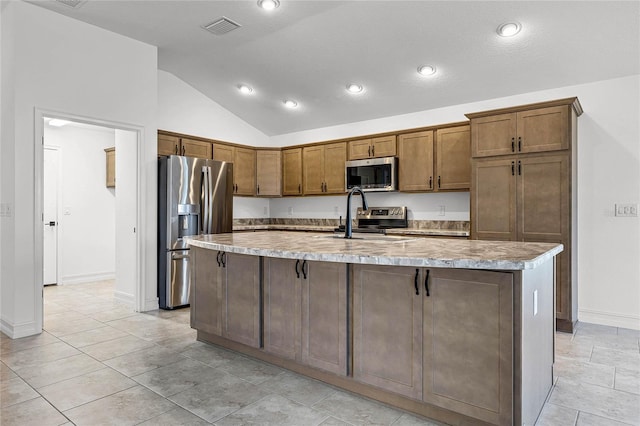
{"x": 389, "y": 250}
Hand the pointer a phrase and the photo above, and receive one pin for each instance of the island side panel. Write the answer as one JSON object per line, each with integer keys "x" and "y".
{"x": 537, "y": 328}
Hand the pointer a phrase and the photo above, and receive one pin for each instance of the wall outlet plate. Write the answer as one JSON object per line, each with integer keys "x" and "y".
{"x": 626, "y": 210}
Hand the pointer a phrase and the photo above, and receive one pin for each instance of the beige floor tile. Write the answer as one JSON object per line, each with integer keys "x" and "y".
{"x": 56, "y": 371}
{"x": 410, "y": 420}
{"x": 15, "y": 391}
{"x": 586, "y": 419}
{"x": 617, "y": 358}
{"x": 115, "y": 313}
{"x": 212, "y": 355}
{"x": 181, "y": 342}
{"x": 274, "y": 410}
{"x": 587, "y": 329}
{"x": 80, "y": 390}
{"x": 178, "y": 377}
{"x": 136, "y": 363}
{"x": 91, "y": 337}
{"x": 116, "y": 347}
{"x": 587, "y": 372}
{"x": 629, "y": 332}
{"x": 555, "y": 415}
{"x": 332, "y": 421}
{"x": 129, "y": 407}
{"x": 357, "y": 410}
{"x": 571, "y": 349}
{"x": 626, "y": 343}
{"x": 6, "y": 373}
{"x": 38, "y": 355}
{"x": 12, "y": 345}
{"x": 597, "y": 400}
{"x": 250, "y": 370}
{"x": 176, "y": 417}
{"x": 64, "y": 327}
{"x": 35, "y": 412}
{"x": 628, "y": 380}
{"x": 218, "y": 398}
{"x": 298, "y": 388}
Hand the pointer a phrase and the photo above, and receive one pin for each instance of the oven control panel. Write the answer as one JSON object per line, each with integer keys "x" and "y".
{"x": 382, "y": 213}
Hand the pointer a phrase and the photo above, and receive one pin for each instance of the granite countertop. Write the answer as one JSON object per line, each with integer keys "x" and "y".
{"x": 383, "y": 250}
{"x": 320, "y": 228}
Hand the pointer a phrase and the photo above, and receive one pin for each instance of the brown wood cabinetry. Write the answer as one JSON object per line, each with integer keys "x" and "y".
{"x": 292, "y": 171}
{"x": 110, "y": 154}
{"x": 323, "y": 168}
{"x": 205, "y": 295}
{"x": 170, "y": 144}
{"x": 195, "y": 148}
{"x": 453, "y": 158}
{"x": 534, "y": 130}
{"x": 415, "y": 161}
{"x": 384, "y": 146}
{"x": 268, "y": 173}
{"x": 305, "y": 312}
{"x": 244, "y": 166}
{"x": 525, "y": 191}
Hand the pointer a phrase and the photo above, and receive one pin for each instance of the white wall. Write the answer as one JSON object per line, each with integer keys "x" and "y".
{"x": 86, "y": 205}
{"x": 55, "y": 63}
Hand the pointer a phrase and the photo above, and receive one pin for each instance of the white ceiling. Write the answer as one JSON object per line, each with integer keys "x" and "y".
{"x": 309, "y": 51}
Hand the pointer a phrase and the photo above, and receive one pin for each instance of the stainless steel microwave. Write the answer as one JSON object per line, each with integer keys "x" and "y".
{"x": 374, "y": 174}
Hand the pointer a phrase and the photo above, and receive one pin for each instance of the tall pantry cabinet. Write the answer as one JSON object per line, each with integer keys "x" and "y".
{"x": 523, "y": 185}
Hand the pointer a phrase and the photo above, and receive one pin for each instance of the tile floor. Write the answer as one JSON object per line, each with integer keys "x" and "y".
{"x": 98, "y": 362}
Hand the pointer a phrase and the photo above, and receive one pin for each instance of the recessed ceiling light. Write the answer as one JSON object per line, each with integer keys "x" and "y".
{"x": 243, "y": 88}
{"x": 290, "y": 104}
{"x": 509, "y": 29}
{"x": 56, "y": 122}
{"x": 427, "y": 70}
{"x": 268, "y": 4}
{"x": 354, "y": 88}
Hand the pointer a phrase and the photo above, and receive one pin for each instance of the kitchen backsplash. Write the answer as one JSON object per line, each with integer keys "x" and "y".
{"x": 458, "y": 225}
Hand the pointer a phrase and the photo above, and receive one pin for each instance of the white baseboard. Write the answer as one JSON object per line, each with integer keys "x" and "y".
{"x": 87, "y": 278}
{"x": 151, "y": 304}
{"x": 126, "y": 298}
{"x": 609, "y": 318}
{"x": 16, "y": 331}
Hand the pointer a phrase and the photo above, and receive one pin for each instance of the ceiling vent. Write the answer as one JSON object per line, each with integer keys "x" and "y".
{"x": 221, "y": 26}
{"x": 72, "y": 3}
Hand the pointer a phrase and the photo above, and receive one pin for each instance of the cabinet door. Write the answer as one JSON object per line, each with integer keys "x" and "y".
{"x": 282, "y": 288}
{"x": 224, "y": 153}
{"x": 544, "y": 129}
{"x": 359, "y": 149}
{"x": 415, "y": 152}
{"x": 543, "y": 203}
{"x": 335, "y": 156}
{"x": 292, "y": 171}
{"x": 194, "y": 148}
{"x": 453, "y": 158}
{"x": 493, "y": 135}
{"x": 493, "y": 200}
{"x": 206, "y": 291}
{"x": 468, "y": 337}
{"x": 383, "y": 146}
{"x": 387, "y": 353}
{"x": 324, "y": 316}
{"x": 313, "y": 169}
{"x": 244, "y": 171}
{"x": 110, "y": 154}
{"x": 241, "y": 295}
{"x": 268, "y": 172}
{"x": 168, "y": 145}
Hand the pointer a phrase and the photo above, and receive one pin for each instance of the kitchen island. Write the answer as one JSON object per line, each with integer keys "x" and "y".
{"x": 456, "y": 330}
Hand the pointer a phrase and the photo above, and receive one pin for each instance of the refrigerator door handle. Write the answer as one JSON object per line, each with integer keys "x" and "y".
{"x": 210, "y": 209}
{"x": 205, "y": 200}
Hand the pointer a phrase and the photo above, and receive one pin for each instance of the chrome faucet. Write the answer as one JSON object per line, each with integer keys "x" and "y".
{"x": 347, "y": 225}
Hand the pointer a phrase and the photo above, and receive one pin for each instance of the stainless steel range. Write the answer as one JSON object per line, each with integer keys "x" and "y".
{"x": 381, "y": 218}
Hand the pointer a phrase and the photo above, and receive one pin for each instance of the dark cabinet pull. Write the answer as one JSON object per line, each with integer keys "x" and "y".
{"x": 297, "y": 272}
{"x": 513, "y": 144}
{"x": 519, "y": 143}
{"x": 519, "y": 168}
{"x": 218, "y": 258}
{"x": 369, "y": 151}
{"x": 415, "y": 281}
{"x": 299, "y": 188}
{"x": 430, "y": 182}
{"x": 426, "y": 284}
{"x": 304, "y": 274}
{"x": 258, "y": 189}
{"x": 438, "y": 181}
{"x": 322, "y": 187}
{"x": 176, "y": 149}
{"x": 223, "y": 259}
{"x": 182, "y": 149}
{"x": 373, "y": 151}
{"x": 513, "y": 170}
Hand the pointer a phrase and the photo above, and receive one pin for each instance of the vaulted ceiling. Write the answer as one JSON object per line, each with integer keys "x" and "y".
{"x": 308, "y": 51}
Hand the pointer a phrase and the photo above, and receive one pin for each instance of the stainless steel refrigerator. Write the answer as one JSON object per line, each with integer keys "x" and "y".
{"x": 195, "y": 196}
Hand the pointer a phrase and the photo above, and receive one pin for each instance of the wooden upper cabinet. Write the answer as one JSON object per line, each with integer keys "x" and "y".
{"x": 453, "y": 158}
{"x": 244, "y": 166}
{"x": 384, "y": 146}
{"x": 195, "y": 148}
{"x": 168, "y": 145}
{"x": 223, "y": 152}
{"x": 292, "y": 171}
{"x": 268, "y": 173}
{"x": 415, "y": 161}
{"x": 110, "y": 153}
{"x": 323, "y": 168}
{"x": 535, "y": 130}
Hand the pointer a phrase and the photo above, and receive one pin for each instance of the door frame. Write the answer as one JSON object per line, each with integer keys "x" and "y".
{"x": 140, "y": 267}
{"x": 58, "y": 209}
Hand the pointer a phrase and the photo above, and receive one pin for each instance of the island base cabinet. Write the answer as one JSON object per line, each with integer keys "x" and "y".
{"x": 305, "y": 312}
{"x": 387, "y": 328}
{"x": 241, "y": 292}
{"x": 467, "y": 341}
{"x": 206, "y": 291}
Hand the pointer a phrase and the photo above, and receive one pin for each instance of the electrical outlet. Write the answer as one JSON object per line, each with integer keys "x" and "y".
{"x": 626, "y": 210}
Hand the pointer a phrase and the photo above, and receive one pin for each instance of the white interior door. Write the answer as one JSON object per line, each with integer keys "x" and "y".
{"x": 50, "y": 219}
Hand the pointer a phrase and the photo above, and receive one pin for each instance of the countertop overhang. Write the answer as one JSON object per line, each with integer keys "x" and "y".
{"x": 397, "y": 251}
